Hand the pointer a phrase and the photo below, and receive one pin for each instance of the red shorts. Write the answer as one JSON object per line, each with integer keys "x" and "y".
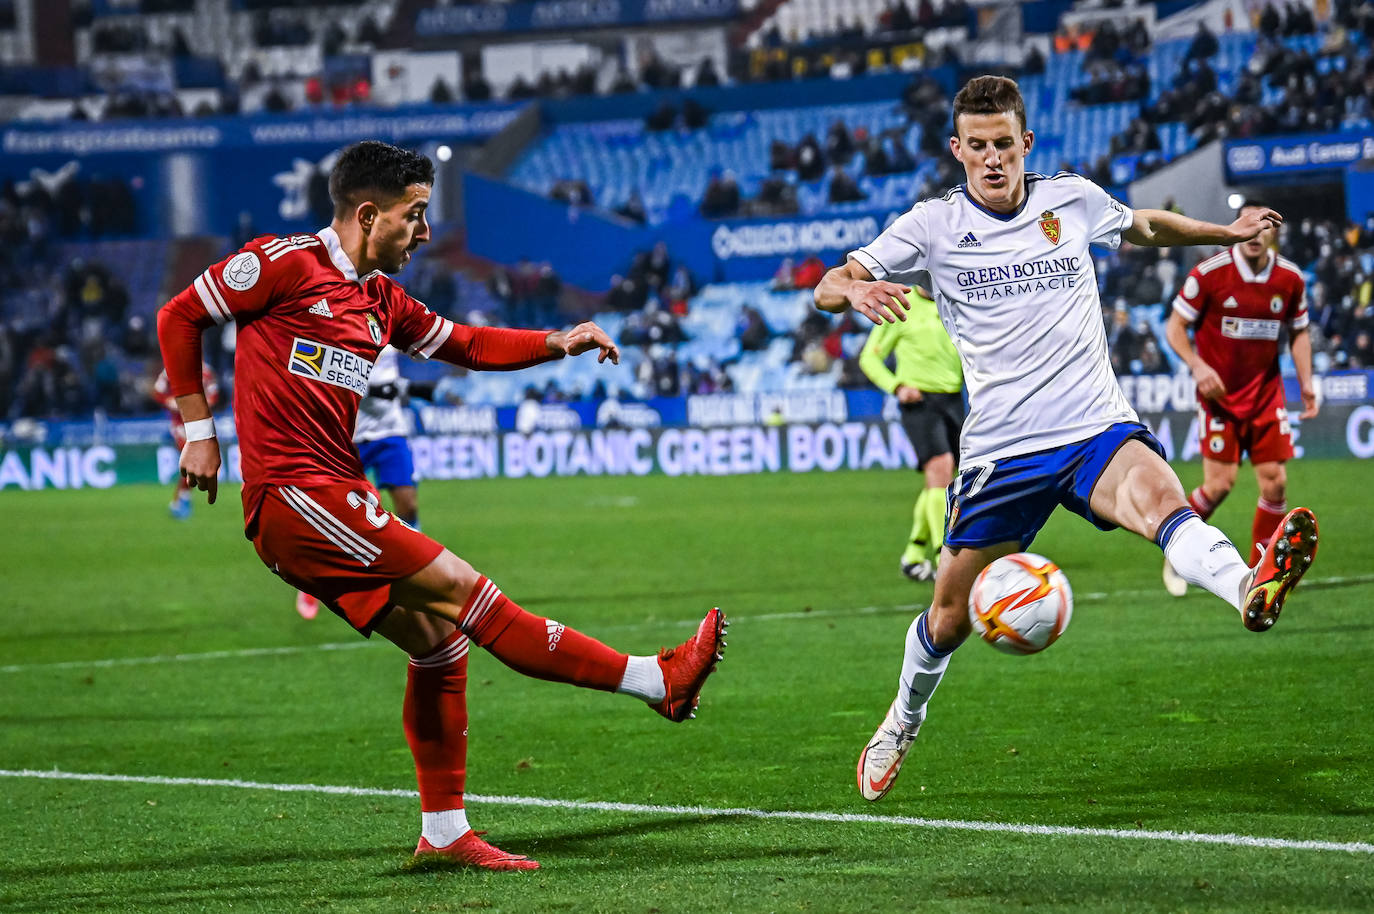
{"x": 334, "y": 542}
{"x": 1267, "y": 438}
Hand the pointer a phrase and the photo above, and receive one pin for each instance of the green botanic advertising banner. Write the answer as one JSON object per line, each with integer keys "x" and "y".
{"x": 1339, "y": 431}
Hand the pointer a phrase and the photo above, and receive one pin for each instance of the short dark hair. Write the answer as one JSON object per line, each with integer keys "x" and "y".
{"x": 1253, "y": 203}
{"x": 990, "y": 95}
{"x": 375, "y": 170}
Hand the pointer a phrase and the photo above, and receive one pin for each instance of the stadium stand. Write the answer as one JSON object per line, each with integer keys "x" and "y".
{"x": 80, "y": 286}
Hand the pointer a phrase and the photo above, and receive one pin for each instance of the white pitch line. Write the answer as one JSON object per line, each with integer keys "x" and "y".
{"x": 1093, "y": 596}
{"x": 1057, "y": 831}
{"x": 182, "y": 658}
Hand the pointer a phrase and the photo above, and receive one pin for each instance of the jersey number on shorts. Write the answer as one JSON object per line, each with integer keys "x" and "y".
{"x": 976, "y": 475}
{"x": 1285, "y": 425}
{"x": 371, "y": 508}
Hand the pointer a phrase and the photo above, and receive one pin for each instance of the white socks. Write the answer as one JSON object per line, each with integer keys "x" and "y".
{"x": 922, "y": 668}
{"x": 643, "y": 679}
{"x": 1204, "y": 557}
{"x": 441, "y": 829}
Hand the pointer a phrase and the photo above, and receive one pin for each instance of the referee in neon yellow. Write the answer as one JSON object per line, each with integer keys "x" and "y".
{"x": 928, "y": 386}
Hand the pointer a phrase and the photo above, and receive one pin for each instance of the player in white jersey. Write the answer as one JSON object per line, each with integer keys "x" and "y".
{"x": 381, "y": 435}
{"x": 382, "y": 429}
{"x": 1008, "y": 259}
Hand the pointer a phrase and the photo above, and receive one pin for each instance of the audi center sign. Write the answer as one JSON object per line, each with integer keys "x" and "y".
{"x": 1287, "y": 155}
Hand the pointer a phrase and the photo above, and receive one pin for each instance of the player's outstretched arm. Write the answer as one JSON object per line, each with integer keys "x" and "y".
{"x": 852, "y": 286}
{"x": 1161, "y": 228}
{"x": 585, "y": 337}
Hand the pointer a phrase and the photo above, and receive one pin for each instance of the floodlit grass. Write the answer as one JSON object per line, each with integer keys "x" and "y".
{"x": 1151, "y": 713}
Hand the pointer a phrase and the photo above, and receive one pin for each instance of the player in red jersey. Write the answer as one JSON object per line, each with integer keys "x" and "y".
{"x": 1236, "y": 304}
{"x": 313, "y": 312}
{"x": 180, "y": 508}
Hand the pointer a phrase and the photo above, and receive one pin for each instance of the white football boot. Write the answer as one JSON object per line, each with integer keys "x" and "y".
{"x": 1173, "y": 581}
{"x": 882, "y": 758}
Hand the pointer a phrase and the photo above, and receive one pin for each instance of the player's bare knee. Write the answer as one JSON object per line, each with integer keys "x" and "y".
{"x": 455, "y": 579}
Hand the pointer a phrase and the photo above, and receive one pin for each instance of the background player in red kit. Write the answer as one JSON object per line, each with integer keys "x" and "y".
{"x": 313, "y": 312}
{"x": 1236, "y": 303}
{"x": 180, "y": 508}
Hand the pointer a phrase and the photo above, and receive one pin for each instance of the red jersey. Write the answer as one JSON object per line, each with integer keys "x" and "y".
{"x": 1236, "y": 316}
{"x": 309, "y": 331}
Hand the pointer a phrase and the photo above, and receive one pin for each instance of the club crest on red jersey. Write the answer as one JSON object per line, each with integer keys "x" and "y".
{"x": 1049, "y": 224}
{"x": 375, "y": 329}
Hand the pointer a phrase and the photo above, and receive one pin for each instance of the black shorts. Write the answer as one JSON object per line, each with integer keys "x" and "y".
{"x": 933, "y": 425}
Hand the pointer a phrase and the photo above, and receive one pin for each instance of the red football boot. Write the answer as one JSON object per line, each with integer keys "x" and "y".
{"x": 686, "y": 667}
{"x": 471, "y": 850}
{"x": 306, "y": 605}
{"x": 1288, "y": 555}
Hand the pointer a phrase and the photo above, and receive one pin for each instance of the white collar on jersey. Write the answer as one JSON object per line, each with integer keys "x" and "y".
{"x": 1243, "y": 266}
{"x": 337, "y": 255}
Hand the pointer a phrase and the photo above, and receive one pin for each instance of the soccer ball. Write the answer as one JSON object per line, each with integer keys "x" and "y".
{"x": 1021, "y": 603}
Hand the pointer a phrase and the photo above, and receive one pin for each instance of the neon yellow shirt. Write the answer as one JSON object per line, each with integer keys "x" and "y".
{"x": 926, "y": 359}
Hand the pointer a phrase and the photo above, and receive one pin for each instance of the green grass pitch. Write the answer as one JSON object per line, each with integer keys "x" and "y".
{"x": 1150, "y": 714}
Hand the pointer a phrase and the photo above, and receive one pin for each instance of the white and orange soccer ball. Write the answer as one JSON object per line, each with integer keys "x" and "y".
{"x": 1021, "y": 603}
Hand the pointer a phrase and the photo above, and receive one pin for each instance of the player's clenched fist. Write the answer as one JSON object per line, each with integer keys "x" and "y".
{"x": 200, "y": 466}
{"x": 585, "y": 337}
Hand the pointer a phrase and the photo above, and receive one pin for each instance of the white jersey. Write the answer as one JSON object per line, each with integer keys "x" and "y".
{"x": 1018, "y": 295}
{"x": 378, "y": 417}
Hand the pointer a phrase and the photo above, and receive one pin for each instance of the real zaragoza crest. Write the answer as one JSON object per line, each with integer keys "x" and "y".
{"x": 1049, "y": 224}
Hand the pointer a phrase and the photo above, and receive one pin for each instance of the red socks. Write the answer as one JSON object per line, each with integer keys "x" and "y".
{"x": 1200, "y": 503}
{"x": 538, "y": 647}
{"x": 436, "y": 722}
{"x": 436, "y": 714}
{"x": 1268, "y": 516}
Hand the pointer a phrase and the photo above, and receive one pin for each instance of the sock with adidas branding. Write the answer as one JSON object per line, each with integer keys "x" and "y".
{"x": 435, "y": 717}
{"x": 539, "y": 647}
{"x": 1203, "y": 556}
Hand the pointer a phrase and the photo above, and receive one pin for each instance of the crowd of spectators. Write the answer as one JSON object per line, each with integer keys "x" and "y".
{"x": 1306, "y": 91}
{"x": 528, "y": 295}
{"x": 68, "y": 334}
{"x": 846, "y": 50}
{"x": 67, "y": 205}
{"x": 1114, "y": 59}
{"x": 1340, "y": 300}
{"x": 66, "y": 341}
{"x": 809, "y": 161}
{"x": 653, "y": 294}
